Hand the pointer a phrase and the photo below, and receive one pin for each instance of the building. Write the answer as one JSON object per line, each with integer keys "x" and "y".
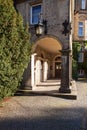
{"x": 80, "y": 31}
{"x": 52, "y": 51}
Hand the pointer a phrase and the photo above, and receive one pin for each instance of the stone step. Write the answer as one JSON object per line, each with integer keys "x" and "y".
{"x": 47, "y": 85}
{"x": 50, "y": 89}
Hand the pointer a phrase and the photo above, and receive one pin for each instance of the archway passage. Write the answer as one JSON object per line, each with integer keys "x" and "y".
{"x": 46, "y": 60}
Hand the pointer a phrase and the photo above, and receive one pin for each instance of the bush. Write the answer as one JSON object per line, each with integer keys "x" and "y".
{"x": 14, "y": 48}
{"x": 74, "y": 70}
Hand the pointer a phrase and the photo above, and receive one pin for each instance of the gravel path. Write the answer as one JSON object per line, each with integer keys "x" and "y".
{"x": 45, "y": 112}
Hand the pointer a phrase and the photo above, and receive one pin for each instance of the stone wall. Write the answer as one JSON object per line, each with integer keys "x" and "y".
{"x": 54, "y": 11}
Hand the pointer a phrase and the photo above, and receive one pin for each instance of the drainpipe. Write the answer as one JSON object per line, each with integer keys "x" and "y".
{"x": 71, "y": 19}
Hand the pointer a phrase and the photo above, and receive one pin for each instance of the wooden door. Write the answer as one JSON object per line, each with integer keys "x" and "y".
{"x": 57, "y": 70}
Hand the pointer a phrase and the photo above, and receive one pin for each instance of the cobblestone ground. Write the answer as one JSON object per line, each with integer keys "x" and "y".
{"x": 45, "y": 112}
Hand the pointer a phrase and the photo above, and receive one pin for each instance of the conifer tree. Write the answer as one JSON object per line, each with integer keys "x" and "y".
{"x": 14, "y": 48}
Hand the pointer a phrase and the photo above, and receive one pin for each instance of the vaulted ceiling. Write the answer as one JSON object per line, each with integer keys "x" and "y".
{"x": 49, "y": 45}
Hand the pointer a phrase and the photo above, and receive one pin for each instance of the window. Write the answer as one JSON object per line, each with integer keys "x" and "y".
{"x": 81, "y": 57}
{"x": 35, "y": 12}
{"x": 83, "y": 4}
{"x": 80, "y": 29}
{"x": 81, "y": 53}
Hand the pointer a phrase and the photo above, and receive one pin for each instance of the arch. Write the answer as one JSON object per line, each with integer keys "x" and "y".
{"x": 44, "y": 50}
{"x": 49, "y": 43}
{"x": 55, "y": 57}
{"x": 49, "y": 36}
{"x": 82, "y": 17}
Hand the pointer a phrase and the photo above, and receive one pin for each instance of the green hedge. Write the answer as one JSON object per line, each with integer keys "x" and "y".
{"x": 14, "y": 48}
{"x": 74, "y": 70}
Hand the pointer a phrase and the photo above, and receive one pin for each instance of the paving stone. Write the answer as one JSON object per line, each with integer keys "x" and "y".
{"x": 35, "y": 112}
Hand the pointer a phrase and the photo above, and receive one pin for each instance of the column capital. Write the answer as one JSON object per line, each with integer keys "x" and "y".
{"x": 65, "y": 51}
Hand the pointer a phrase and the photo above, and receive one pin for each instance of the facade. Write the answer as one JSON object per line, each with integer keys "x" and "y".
{"x": 52, "y": 51}
{"x": 80, "y": 19}
{"x": 80, "y": 31}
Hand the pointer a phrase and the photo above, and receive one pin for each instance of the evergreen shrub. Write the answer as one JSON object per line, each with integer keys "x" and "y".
{"x": 74, "y": 70}
{"x": 14, "y": 48}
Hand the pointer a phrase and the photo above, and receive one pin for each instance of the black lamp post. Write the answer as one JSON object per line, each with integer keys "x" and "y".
{"x": 41, "y": 27}
{"x": 66, "y": 59}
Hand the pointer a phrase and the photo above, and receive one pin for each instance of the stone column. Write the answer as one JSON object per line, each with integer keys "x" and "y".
{"x": 32, "y": 70}
{"x": 38, "y": 72}
{"x": 45, "y": 70}
{"x": 65, "y": 78}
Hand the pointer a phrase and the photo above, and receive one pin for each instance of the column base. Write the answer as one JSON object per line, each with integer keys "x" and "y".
{"x": 64, "y": 90}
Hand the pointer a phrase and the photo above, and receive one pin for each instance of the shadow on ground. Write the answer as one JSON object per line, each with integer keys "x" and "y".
{"x": 84, "y": 80}
{"x": 48, "y": 119}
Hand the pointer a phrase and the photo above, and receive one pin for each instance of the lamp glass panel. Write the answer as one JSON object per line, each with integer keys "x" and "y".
{"x": 39, "y": 30}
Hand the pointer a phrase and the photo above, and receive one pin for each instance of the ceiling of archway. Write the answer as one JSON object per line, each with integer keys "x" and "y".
{"x": 50, "y": 45}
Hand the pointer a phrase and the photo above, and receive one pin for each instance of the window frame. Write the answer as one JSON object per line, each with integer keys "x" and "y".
{"x": 80, "y": 27}
{"x": 81, "y": 57}
{"x": 31, "y": 16}
{"x": 83, "y": 4}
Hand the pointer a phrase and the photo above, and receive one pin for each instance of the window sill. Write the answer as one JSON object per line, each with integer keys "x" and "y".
{"x": 81, "y": 36}
{"x": 33, "y": 24}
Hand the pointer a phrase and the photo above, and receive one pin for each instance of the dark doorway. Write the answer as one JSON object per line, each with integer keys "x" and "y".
{"x": 57, "y": 70}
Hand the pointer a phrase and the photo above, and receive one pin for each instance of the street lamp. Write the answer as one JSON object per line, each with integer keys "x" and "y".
{"x": 41, "y": 27}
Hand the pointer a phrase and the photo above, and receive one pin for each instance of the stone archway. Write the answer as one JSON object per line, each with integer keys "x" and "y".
{"x": 43, "y": 53}
{"x": 49, "y": 44}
